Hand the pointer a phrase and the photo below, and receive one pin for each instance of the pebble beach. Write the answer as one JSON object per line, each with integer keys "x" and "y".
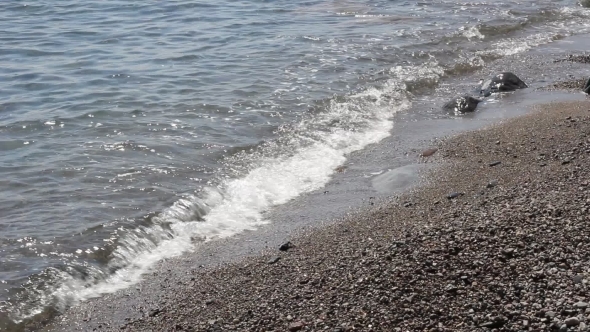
{"x": 495, "y": 239}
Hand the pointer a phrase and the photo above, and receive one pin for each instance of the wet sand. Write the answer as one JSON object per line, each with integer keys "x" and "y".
{"x": 495, "y": 239}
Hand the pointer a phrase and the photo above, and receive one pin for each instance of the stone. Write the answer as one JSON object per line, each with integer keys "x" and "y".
{"x": 503, "y": 82}
{"x": 463, "y": 104}
{"x": 273, "y": 260}
{"x": 581, "y": 305}
{"x": 454, "y": 195}
{"x": 495, "y": 163}
{"x": 155, "y": 312}
{"x": 286, "y": 246}
{"x": 297, "y": 326}
{"x": 572, "y": 321}
{"x": 451, "y": 288}
{"x": 428, "y": 152}
{"x": 493, "y": 325}
{"x": 578, "y": 278}
{"x": 492, "y": 184}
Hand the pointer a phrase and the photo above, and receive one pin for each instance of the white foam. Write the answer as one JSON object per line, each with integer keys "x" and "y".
{"x": 317, "y": 147}
{"x": 513, "y": 46}
{"x": 471, "y": 32}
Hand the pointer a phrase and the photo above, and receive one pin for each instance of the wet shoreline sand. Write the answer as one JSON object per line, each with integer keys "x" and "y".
{"x": 481, "y": 245}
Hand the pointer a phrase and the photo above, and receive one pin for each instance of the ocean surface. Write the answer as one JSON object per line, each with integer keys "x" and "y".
{"x": 132, "y": 131}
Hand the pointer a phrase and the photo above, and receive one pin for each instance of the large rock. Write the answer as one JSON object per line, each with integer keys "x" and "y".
{"x": 587, "y": 85}
{"x": 461, "y": 104}
{"x": 503, "y": 82}
{"x": 585, "y": 3}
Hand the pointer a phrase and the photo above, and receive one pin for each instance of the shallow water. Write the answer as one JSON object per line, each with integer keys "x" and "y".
{"x": 129, "y": 132}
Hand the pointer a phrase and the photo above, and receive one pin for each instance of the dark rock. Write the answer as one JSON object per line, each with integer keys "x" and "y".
{"x": 492, "y": 184}
{"x": 286, "y": 246}
{"x": 451, "y": 288}
{"x": 503, "y": 82}
{"x": 297, "y": 326}
{"x": 454, "y": 195}
{"x": 587, "y": 86}
{"x": 493, "y": 325}
{"x": 572, "y": 321}
{"x": 495, "y": 163}
{"x": 155, "y": 312}
{"x": 461, "y": 104}
{"x": 428, "y": 152}
{"x": 273, "y": 260}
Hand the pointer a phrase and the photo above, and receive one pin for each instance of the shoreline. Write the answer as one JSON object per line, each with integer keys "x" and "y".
{"x": 307, "y": 215}
{"x": 478, "y": 261}
{"x": 322, "y": 282}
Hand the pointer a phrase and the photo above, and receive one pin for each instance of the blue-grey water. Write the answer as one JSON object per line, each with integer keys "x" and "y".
{"x": 132, "y": 130}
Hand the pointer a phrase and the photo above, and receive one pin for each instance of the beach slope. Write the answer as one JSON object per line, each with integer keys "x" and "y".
{"x": 495, "y": 239}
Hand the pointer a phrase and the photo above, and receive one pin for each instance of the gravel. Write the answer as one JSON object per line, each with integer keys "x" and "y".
{"x": 581, "y": 58}
{"x": 574, "y": 85}
{"x": 512, "y": 256}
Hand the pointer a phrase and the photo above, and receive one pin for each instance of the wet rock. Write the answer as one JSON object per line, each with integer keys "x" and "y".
{"x": 285, "y": 246}
{"x": 463, "y": 104}
{"x": 503, "y": 82}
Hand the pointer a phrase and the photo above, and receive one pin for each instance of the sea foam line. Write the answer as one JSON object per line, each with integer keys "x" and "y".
{"x": 236, "y": 204}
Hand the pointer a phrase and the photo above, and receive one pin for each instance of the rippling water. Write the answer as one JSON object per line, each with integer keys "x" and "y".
{"x": 130, "y": 131}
